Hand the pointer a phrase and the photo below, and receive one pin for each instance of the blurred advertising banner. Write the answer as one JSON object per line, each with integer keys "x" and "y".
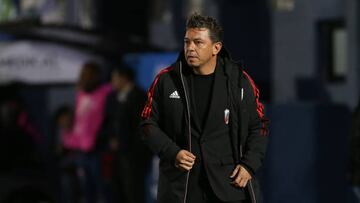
{"x": 40, "y": 62}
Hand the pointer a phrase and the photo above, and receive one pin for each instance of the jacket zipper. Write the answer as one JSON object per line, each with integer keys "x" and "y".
{"x": 252, "y": 193}
{"x": 189, "y": 129}
{"x": 251, "y": 188}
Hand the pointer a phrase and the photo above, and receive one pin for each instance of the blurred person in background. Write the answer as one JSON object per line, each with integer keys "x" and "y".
{"x": 131, "y": 160}
{"x": 81, "y": 139}
{"x": 19, "y": 150}
{"x": 64, "y": 119}
{"x": 22, "y": 170}
{"x": 67, "y": 169}
{"x": 355, "y": 153}
{"x": 204, "y": 120}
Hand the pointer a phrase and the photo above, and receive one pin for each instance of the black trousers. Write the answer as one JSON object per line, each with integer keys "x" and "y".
{"x": 208, "y": 196}
{"x": 200, "y": 191}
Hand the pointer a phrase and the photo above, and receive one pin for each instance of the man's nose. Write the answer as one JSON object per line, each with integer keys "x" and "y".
{"x": 190, "y": 46}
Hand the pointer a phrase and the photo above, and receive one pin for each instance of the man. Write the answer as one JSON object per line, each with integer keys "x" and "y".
{"x": 131, "y": 159}
{"x": 204, "y": 120}
{"x": 355, "y": 153}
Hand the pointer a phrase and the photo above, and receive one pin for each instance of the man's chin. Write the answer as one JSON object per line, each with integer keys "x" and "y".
{"x": 192, "y": 65}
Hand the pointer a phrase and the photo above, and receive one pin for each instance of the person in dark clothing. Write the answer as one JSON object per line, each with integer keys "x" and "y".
{"x": 204, "y": 120}
{"x": 18, "y": 147}
{"x": 68, "y": 180}
{"x": 355, "y": 152}
{"x": 131, "y": 159}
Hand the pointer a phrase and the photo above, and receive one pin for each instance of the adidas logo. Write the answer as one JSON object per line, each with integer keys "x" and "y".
{"x": 174, "y": 95}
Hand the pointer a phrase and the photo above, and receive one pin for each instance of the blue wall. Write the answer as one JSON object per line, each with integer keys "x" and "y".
{"x": 247, "y": 30}
{"x": 307, "y": 155}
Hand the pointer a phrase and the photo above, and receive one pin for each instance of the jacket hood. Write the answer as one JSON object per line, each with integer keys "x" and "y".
{"x": 229, "y": 65}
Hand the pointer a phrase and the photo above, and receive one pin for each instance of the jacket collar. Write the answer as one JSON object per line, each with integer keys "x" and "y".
{"x": 223, "y": 55}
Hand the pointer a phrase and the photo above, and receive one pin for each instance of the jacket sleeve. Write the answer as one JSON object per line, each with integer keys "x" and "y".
{"x": 151, "y": 132}
{"x": 254, "y": 148}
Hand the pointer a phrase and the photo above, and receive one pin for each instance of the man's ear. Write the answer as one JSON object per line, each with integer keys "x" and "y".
{"x": 217, "y": 47}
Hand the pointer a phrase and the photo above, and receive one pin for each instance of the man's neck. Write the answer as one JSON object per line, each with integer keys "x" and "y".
{"x": 207, "y": 68}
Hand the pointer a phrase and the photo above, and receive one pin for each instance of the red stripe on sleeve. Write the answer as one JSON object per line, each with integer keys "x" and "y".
{"x": 148, "y": 107}
{"x": 259, "y": 105}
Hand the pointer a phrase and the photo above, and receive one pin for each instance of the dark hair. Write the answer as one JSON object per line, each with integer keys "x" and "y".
{"x": 62, "y": 110}
{"x": 125, "y": 71}
{"x": 199, "y": 21}
{"x": 93, "y": 66}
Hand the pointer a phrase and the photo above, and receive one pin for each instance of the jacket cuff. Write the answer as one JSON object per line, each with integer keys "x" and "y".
{"x": 170, "y": 154}
{"x": 248, "y": 168}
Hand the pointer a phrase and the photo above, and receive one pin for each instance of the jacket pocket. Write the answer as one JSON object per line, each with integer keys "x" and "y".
{"x": 171, "y": 172}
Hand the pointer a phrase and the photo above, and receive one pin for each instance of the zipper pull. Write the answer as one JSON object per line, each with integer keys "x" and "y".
{"x": 241, "y": 153}
{"x": 242, "y": 94}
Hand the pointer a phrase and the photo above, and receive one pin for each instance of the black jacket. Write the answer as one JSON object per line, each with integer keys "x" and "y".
{"x": 121, "y": 118}
{"x": 355, "y": 147}
{"x": 168, "y": 126}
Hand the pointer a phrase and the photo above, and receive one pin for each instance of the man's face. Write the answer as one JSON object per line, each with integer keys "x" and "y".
{"x": 118, "y": 81}
{"x": 198, "y": 47}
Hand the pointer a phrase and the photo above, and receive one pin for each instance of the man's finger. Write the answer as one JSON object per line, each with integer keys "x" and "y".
{"x": 187, "y": 153}
{"x": 188, "y": 158}
{"x": 187, "y": 163}
{"x": 235, "y": 172}
{"x": 238, "y": 179}
{"x": 236, "y": 184}
{"x": 244, "y": 173}
{"x": 243, "y": 182}
{"x": 185, "y": 167}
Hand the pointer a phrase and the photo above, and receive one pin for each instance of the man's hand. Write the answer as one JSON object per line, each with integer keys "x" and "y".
{"x": 240, "y": 176}
{"x": 184, "y": 160}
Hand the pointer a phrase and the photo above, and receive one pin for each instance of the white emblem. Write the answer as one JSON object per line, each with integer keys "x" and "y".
{"x": 174, "y": 95}
{"x": 226, "y": 116}
{"x": 242, "y": 94}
